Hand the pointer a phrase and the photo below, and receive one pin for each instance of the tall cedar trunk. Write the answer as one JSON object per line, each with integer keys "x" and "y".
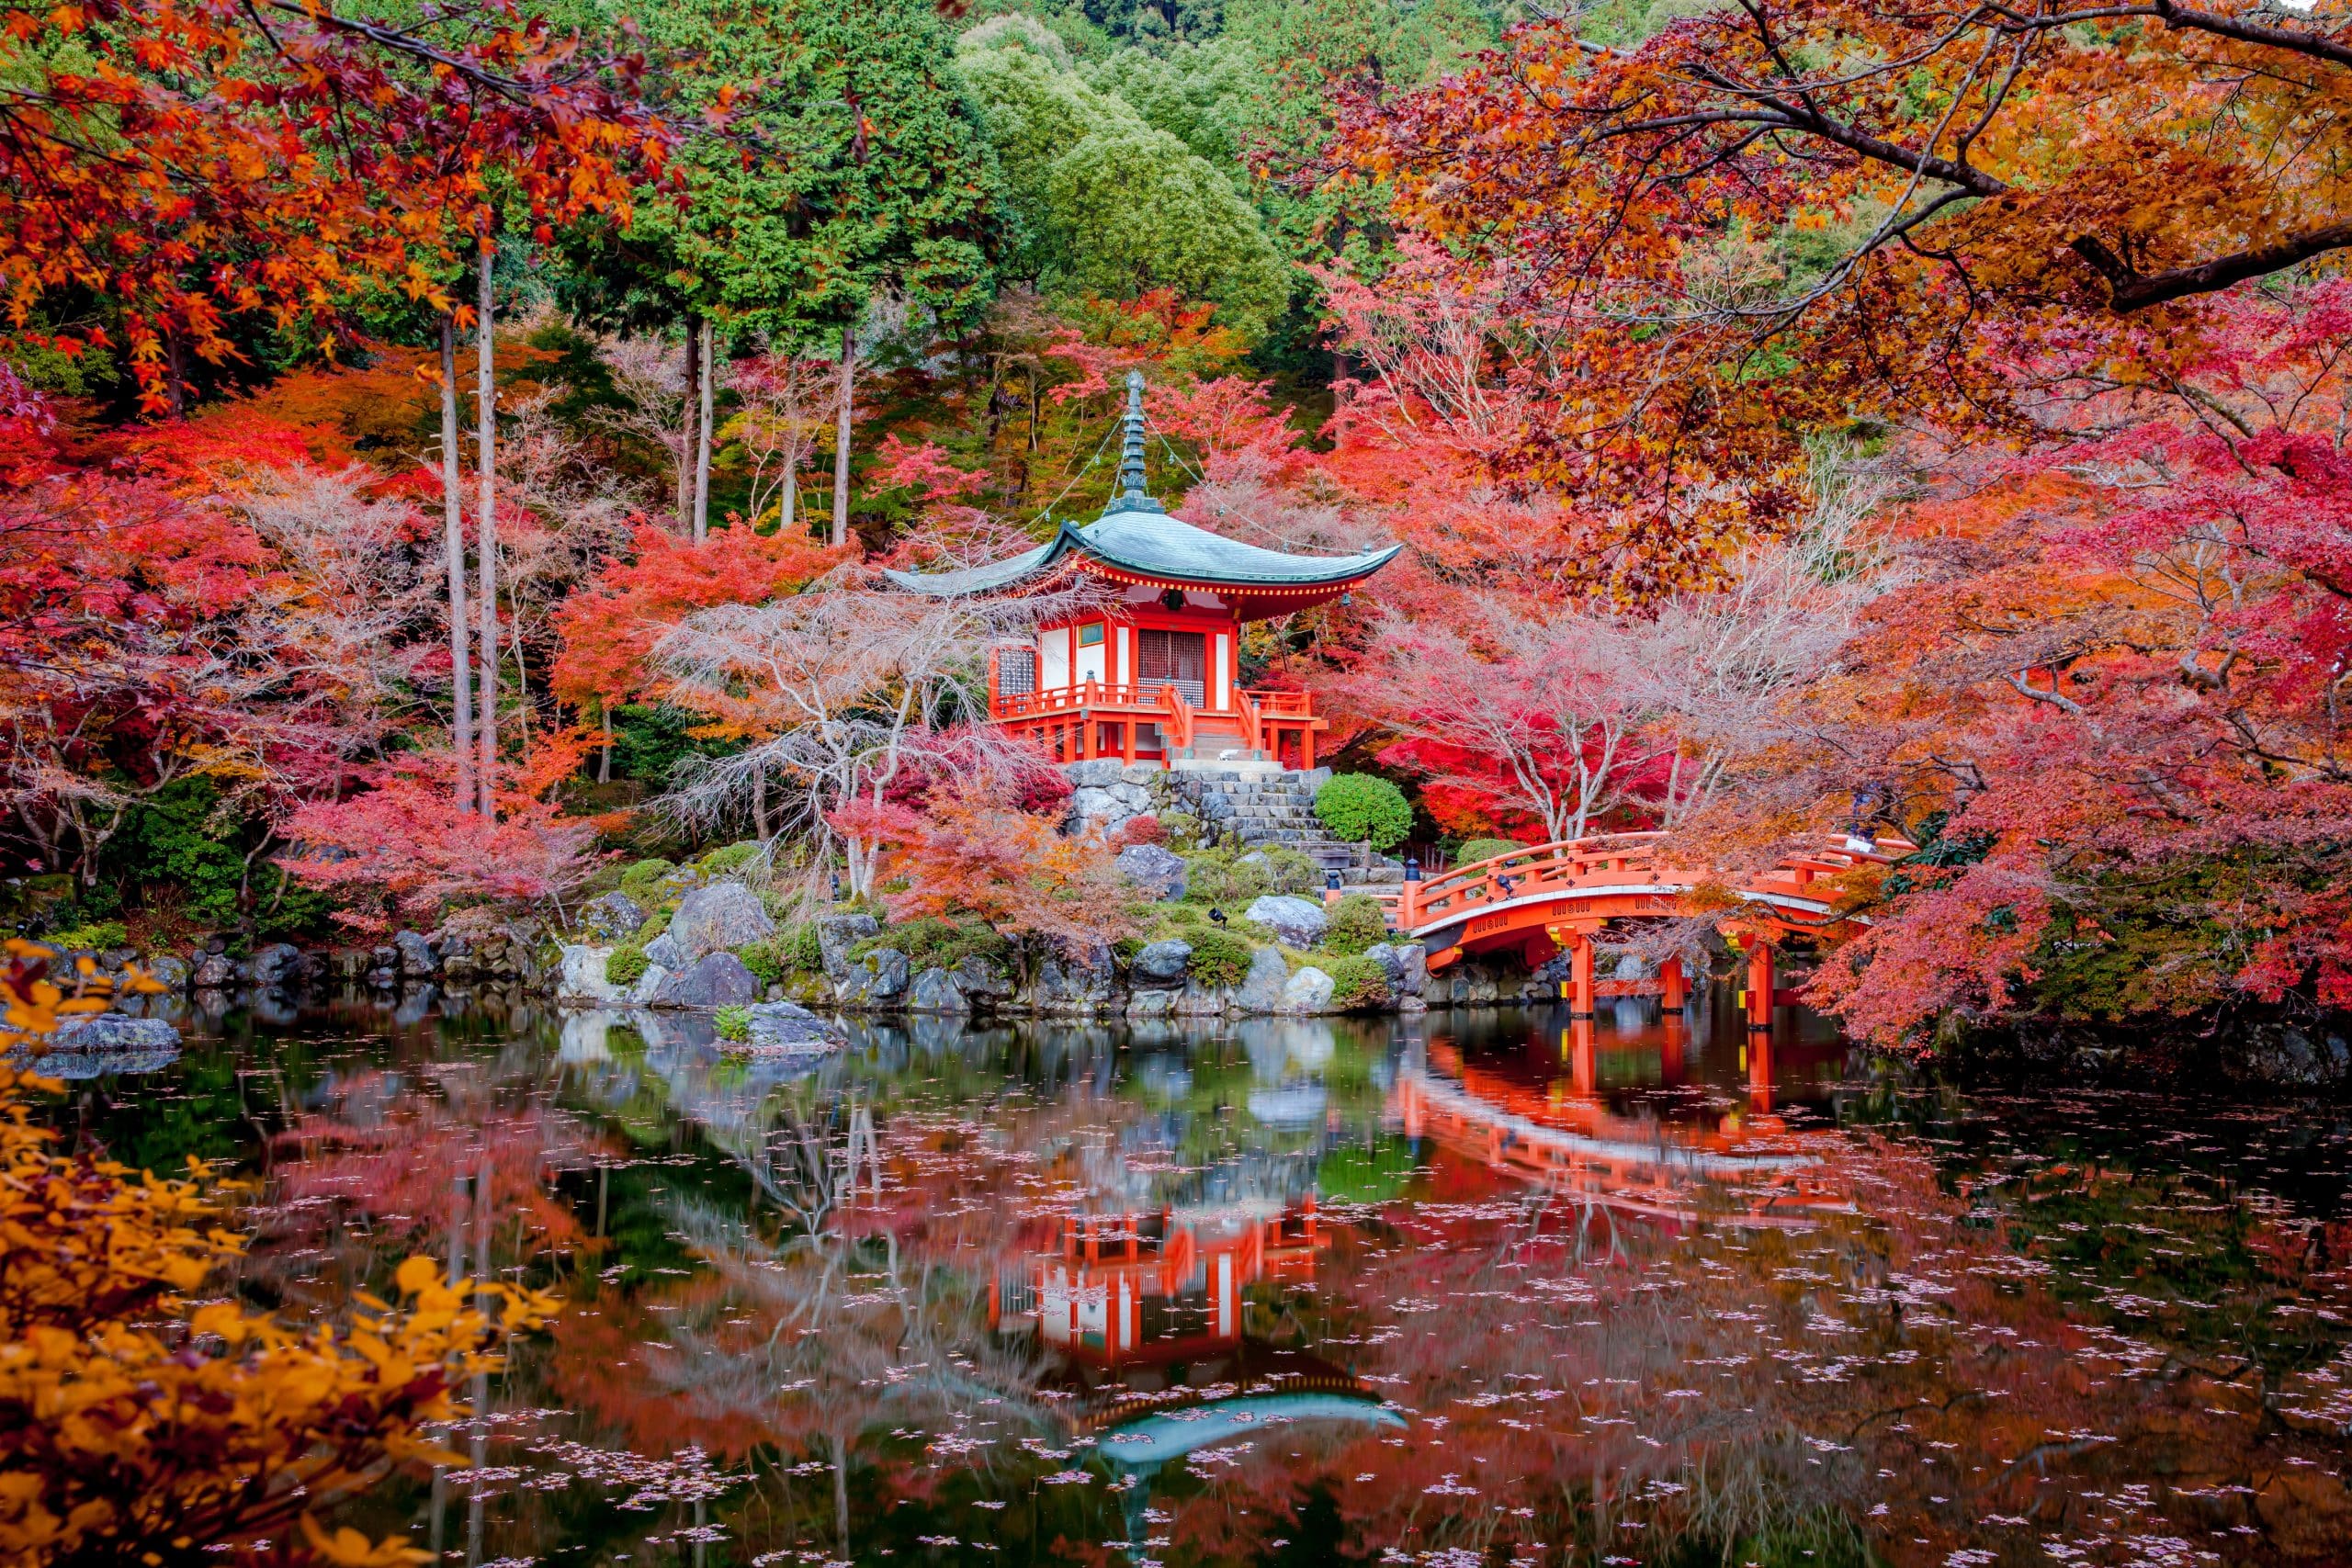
{"x": 841, "y": 437}
{"x": 686, "y": 437}
{"x": 486, "y": 437}
{"x": 702, "y": 434}
{"x": 453, "y": 532}
{"x": 605, "y": 763}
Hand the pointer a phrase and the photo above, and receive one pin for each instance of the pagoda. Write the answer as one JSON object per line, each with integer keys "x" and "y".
{"x": 1150, "y": 671}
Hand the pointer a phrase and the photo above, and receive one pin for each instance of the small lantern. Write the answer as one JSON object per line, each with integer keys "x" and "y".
{"x": 837, "y": 887}
{"x": 1173, "y": 600}
{"x": 1412, "y": 868}
{"x": 1331, "y": 878}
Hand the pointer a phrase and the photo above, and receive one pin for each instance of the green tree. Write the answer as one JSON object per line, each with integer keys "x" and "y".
{"x": 1108, "y": 203}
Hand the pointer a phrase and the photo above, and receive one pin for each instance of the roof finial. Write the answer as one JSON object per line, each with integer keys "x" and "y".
{"x": 1131, "y": 448}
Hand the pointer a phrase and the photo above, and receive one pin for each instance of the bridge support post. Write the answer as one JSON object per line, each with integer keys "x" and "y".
{"x": 1670, "y": 976}
{"x": 1759, "y": 983}
{"x": 1583, "y": 1057}
{"x": 1581, "y": 955}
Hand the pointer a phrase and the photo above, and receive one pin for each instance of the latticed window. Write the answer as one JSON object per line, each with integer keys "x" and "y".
{"x": 1174, "y": 658}
{"x": 1016, "y": 671}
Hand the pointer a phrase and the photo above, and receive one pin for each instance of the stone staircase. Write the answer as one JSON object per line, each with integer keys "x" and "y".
{"x": 1258, "y": 805}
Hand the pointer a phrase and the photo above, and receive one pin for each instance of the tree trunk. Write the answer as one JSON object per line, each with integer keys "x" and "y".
{"x": 703, "y": 432}
{"x": 486, "y": 437}
{"x": 686, "y": 438}
{"x": 791, "y": 508}
{"x": 453, "y": 532}
{"x": 841, "y": 437}
{"x": 760, "y": 806}
{"x": 605, "y": 763}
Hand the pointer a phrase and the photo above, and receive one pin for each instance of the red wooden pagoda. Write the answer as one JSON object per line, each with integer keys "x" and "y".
{"x": 1153, "y": 675}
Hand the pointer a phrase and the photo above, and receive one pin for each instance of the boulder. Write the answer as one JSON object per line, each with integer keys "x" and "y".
{"x": 876, "y": 980}
{"x": 1406, "y": 964}
{"x": 1151, "y": 1004}
{"x": 670, "y": 955}
{"x": 1262, "y": 989}
{"x": 935, "y": 991}
{"x": 1300, "y": 922}
{"x": 1154, "y": 870}
{"x": 981, "y": 980}
{"x": 716, "y": 918}
{"x": 584, "y": 979}
{"x": 1077, "y": 979}
{"x": 167, "y": 971}
{"x": 1161, "y": 964}
{"x": 276, "y": 964}
{"x": 114, "y": 1032}
{"x": 611, "y": 917}
{"x": 649, "y": 985}
{"x": 836, "y": 934}
{"x": 212, "y": 972}
{"x": 715, "y": 980}
{"x": 417, "y": 955}
{"x": 785, "y": 1028}
{"x": 1309, "y": 990}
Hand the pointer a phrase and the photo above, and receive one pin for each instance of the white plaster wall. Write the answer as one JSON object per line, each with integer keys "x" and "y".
{"x": 1053, "y": 659}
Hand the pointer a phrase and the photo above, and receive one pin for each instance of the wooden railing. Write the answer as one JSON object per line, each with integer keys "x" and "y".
{"x": 1611, "y": 860}
{"x": 1255, "y": 709}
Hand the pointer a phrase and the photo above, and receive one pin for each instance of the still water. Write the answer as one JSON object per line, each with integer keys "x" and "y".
{"x": 1469, "y": 1289}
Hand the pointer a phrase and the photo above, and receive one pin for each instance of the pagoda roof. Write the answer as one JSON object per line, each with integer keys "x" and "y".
{"x": 1152, "y": 547}
{"x": 1135, "y": 537}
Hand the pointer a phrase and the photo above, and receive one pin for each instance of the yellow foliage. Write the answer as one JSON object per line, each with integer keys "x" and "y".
{"x": 138, "y": 1424}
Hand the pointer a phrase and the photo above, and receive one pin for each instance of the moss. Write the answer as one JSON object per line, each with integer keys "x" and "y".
{"x": 765, "y": 960}
{"x": 1219, "y": 958}
{"x": 804, "y": 951}
{"x": 97, "y": 937}
{"x": 1231, "y": 878}
{"x": 627, "y": 965}
{"x": 639, "y": 879}
{"x": 733, "y": 1022}
{"x": 1357, "y": 922}
{"x": 655, "y": 924}
{"x": 1356, "y": 982}
{"x": 932, "y": 944}
{"x": 731, "y": 857}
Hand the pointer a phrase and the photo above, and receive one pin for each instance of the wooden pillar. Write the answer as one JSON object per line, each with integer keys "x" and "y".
{"x": 1670, "y": 976}
{"x": 1759, "y": 983}
{"x": 1306, "y": 747}
{"x": 1581, "y": 956}
{"x": 1086, "y": 734}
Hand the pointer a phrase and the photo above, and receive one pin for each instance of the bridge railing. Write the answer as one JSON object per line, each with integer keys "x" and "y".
{"x": 1608, "y": 860}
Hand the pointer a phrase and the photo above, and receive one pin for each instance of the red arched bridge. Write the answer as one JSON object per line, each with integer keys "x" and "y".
{"x": 1549, "y": 899}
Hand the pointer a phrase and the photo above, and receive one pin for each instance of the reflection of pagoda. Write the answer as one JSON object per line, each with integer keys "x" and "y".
{"x": 1141, "y": 1291}
{"x": 1148, "y": 1316}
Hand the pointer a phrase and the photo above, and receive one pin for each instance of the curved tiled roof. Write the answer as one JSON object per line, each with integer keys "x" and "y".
{"x": 1150, "y": 544}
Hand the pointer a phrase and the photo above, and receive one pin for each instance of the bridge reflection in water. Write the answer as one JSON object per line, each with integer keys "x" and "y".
{"x": 1610, "y": 1113}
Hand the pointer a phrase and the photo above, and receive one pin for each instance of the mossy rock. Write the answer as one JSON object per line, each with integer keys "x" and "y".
{"x": 1357, "y": 982}
{"x": 638, "y": 879}
{"x": 730, "y": 857}
{"x": 1219, "y": 959}
{"x": 627, "y": 965}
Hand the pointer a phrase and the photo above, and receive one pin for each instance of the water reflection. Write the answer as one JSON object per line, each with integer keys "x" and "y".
{"x": 1495, "y": 1287}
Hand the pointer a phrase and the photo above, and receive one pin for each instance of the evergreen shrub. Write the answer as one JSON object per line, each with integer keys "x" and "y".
{"x": 1360, "y": 807}
{"x": 1219, "y": 958}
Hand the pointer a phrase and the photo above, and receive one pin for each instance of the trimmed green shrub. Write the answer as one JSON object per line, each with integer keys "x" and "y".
{"x": 97, "y": 936}
{"x": 1357, "y": 982}
{"x": 733, "y": 1022}
{"x": 1219, "y": 958}
{"x": 1357, "y": 807}
{"x": 764, "y": 959}
{"x": 639, "y": 879}
{"x": 627, "y": 965}
{"x": 1473, "y": 851}
{"x": 1357, "y": 922}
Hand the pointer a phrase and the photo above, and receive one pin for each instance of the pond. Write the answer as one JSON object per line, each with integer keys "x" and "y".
{"x": 1476, "y": 1288}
